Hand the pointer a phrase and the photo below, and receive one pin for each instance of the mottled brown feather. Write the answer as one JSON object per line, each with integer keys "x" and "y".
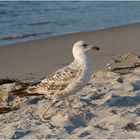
{"x": 55, "y": 82}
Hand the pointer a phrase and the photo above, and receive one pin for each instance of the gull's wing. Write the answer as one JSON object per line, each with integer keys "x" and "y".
{"x": 55, "y": 82}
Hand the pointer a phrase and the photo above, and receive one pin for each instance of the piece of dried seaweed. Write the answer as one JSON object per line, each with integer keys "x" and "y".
{"x": 131, "y": 127}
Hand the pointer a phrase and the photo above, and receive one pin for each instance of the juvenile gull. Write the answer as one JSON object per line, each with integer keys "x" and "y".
{"x": 67, "y": 80}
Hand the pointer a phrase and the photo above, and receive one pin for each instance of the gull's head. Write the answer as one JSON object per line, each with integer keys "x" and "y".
{"x": 81, "y": 47}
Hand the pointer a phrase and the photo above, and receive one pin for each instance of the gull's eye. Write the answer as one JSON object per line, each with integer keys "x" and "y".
{"x": 85, "y": 45}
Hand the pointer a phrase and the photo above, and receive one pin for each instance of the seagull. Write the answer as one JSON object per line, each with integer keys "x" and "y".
{"x": 68, "y": 80}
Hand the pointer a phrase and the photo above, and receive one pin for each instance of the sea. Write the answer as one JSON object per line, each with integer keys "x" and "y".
{"x": 22, "y": 21}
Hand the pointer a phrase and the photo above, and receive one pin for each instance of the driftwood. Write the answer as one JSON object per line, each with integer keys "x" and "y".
{"x": 9, "y": 80}
{"x": 7, "y": 84}
{"x": 127, "y": 69}
{"x": 124, "y": 64}
{"x": 13, "y": 80}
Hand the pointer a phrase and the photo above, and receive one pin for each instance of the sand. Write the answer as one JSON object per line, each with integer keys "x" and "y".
{"x": 108, "y": 107}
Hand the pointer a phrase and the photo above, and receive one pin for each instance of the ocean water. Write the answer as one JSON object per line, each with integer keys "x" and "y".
{"x": 22, "y": 21}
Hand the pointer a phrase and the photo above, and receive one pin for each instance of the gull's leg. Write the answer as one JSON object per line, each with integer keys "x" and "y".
{"x": 68, "y": 104}
{"x": 42, "y": 114}
{"x": 70, "y": 107}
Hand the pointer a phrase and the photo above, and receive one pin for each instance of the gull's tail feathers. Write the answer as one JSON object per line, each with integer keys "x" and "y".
{"x": 25, "y": 94}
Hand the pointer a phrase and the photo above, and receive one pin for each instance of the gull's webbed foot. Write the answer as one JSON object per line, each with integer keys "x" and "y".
{"x": 45, "y": 111}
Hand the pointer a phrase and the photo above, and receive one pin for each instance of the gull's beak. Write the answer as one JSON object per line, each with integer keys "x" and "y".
{"x": 94, "y": 48}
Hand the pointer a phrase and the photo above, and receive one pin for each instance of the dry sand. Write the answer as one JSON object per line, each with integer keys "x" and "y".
{"x": 108, "y": 107}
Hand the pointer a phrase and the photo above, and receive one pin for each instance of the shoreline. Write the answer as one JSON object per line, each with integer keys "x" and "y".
{"x": 69, "y": 34}
{"x": 36, "y": 59}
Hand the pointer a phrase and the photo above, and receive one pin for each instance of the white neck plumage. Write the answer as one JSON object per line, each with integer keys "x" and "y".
{"x": 83, "y": 61}
{"x": 81, "y": 57}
